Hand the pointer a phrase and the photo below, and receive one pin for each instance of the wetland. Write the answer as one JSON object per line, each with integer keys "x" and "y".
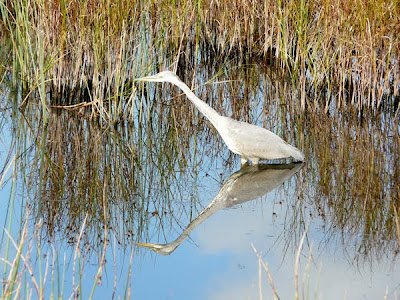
{"x": 116, "y": 189}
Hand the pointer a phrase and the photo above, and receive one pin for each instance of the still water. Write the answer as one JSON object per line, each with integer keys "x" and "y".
{"x": 156, "y": 207}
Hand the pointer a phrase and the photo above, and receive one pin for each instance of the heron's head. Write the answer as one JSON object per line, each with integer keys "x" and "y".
{"x": 164, "y": 249}
{"x": 165, "y": 76}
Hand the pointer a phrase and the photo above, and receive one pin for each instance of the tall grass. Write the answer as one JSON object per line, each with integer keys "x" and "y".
{"x": 88, "y": 52}
{"x": 349, "y": 50}
{"x": 33, "y": 274}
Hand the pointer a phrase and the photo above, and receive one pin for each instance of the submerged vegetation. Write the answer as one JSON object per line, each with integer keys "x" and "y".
{"x": 334, "y": 53}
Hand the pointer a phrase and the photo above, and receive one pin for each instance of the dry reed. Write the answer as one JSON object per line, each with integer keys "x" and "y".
{"x": 336, "y": 53}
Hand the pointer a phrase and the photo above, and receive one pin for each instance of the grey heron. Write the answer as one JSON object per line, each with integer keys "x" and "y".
{"x": 251, "y": 142}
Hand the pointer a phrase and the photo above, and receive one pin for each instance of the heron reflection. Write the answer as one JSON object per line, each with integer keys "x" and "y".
{"x": 249, "y": 183}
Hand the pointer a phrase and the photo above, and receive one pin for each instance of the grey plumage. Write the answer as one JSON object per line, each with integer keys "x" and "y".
{"x": 251, "y": 142}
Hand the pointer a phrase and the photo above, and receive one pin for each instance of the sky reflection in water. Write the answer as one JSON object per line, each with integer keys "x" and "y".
{"x": 219, "y": 263}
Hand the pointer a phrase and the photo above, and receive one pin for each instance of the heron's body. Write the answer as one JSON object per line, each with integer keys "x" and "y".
{"x": 251, "y": 142}
{"x": 260, "y": 144}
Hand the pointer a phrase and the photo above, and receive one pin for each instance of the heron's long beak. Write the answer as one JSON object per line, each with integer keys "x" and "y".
{"x": 147, "y": 245}
{"x": 147, "y": 78}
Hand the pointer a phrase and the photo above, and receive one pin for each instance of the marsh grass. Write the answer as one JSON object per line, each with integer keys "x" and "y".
{"x": 34, "y": 273}
{"x": 336, "y": 54}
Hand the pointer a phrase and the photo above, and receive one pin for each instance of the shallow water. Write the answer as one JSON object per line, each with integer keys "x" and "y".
{"x": 165, "y": 177}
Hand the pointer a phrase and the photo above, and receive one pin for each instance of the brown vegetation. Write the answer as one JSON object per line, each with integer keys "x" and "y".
{"x": 342, "y": 52}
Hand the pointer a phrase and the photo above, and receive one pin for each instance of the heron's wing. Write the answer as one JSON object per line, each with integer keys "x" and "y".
{"x": 260, "y": 181}
{"x": 255, "y": 141}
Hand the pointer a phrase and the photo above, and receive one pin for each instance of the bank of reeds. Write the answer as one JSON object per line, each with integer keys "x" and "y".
{"x": 335, "y": 53}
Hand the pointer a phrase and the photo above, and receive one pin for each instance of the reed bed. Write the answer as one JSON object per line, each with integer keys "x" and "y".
{"x": 335, "y": 53}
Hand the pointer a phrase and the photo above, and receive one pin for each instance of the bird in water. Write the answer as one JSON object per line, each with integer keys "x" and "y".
{"x": 251, "y": 142}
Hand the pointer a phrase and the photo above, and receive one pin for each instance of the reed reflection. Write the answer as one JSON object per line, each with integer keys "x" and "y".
{"x": 127, "y": 175}
{"x": 355, "y": 179}
{"x": 117, "y": 177}
{"x": 249, "y": 183}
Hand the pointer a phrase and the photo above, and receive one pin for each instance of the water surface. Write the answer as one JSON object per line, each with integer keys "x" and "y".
{"x": 91, "y": 190}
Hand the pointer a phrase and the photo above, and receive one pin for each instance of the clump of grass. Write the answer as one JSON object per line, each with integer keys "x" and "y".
{"x": 26, "y": 275}
{"x": 88, "y": 52}
{"x": 349, "y": 50}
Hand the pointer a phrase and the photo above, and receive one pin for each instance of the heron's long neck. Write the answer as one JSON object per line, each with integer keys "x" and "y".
{"x": 204, "y": 108}
{"x": 215, "y": 205}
